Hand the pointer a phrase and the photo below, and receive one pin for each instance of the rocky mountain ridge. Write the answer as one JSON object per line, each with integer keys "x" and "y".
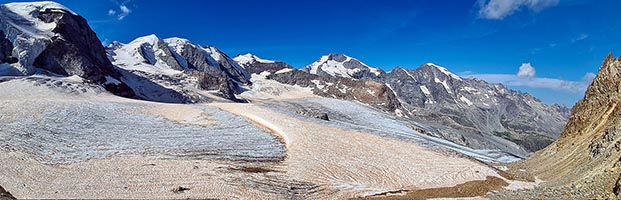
{"x": 586, "y": 159}
{"x": 181, "y": 66}
{"x": 256, "y": 65}
{"x": 474, "y": 107}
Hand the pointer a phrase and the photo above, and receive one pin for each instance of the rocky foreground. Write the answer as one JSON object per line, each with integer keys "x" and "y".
{"x": 584, "y": 163}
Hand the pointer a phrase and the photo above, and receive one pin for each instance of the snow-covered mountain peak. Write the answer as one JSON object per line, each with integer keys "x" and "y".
{"x": 177, "y": 40}
{"x": 147, "y": 53}
{"x": 31, "y": 8}
{"x": 31, "y": 28}
{"x": 149, "y": 39}
{"x": 249, "y": 58}
{"x": 24, "y": 16}
{"x": 177, "y": 44}
{"x": 341, "y": 65}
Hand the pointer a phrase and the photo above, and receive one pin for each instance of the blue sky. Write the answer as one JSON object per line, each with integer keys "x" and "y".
{"x": 561, "y": 41}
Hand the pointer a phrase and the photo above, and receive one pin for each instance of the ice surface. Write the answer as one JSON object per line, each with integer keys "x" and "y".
{"x": 63, "y": 128}
{"x": 355, "y": 116}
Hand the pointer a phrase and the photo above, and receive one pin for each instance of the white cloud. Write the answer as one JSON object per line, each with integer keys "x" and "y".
{"x": 534, "y": 82}
{"x": 526, "y": 70}
{"x": 122, "y": 12}
{"x": 499, "y": 9}
{"x": 124, "y": 9}
{"x": 526, "y": 78}
{"x": 580, "y": 37}
{"x": 588, "y": 77}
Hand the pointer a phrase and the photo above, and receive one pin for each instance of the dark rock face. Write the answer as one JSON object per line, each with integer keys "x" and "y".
{"x": 4, "y": 195}
{"x": 258, "y": 67}
{"x": 75, "y": 50}
{"x": 229, "y": 66}
{"x": 6, "y": 49}
{"x": 167, "y": 56}
{"x": 210, "y": 82}
{"x": 197, "y": 59}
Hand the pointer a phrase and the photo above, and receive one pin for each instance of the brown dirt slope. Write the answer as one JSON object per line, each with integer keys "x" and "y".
{"x": 586, "y": 159}
{"x": 467, "y": 189}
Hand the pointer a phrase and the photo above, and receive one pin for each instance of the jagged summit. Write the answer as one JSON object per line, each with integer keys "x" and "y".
{"x": 341, "y": 65}
{"x": 444, "y": 70}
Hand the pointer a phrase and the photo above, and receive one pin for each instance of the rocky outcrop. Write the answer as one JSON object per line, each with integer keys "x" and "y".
{"x": 256, "y": 65}
{"x": 586, "y": 159}
{"x": 4, "y": 195}
{"x": 6, "y": 50}
{"x": 313, "y": 113}
{"x": 368, "y": 92}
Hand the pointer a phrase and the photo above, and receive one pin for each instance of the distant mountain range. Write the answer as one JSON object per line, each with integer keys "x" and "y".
{"x": 48, "y": 38}
{"x": 466, "y": 111}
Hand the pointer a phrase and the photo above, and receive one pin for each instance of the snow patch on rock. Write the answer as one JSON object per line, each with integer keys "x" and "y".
{"x": 425, "y": 90}
{"x": 446, "y": 86}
